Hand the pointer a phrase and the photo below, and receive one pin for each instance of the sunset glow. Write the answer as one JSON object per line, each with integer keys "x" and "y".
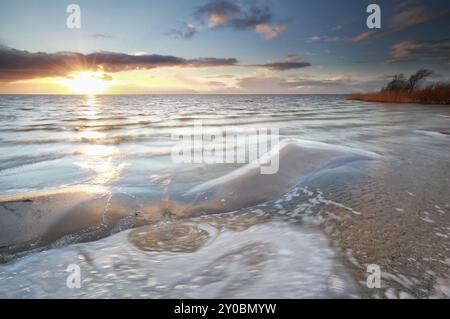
{"x": 87, "y": 83}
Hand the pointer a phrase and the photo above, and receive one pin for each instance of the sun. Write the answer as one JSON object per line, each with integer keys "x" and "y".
{"x": 89, "y": 83}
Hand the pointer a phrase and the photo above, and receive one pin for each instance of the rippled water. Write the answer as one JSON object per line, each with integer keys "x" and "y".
{"x": 90, "y": 181}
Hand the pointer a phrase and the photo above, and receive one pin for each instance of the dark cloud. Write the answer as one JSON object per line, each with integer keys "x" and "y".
{"x": 284, "y": 66}
{"x": 414, "y": 17}
{"x": 18, "y": 65}
{"x": 403, "y": 21}
{"x": 240, "y": 15}
{"x": 211, "y": 62}
{"x": 414, "y": 51}
{"x": 291, "y": 62}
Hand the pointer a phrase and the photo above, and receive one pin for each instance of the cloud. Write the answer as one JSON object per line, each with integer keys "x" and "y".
{"x": 314, "y": 38}
{"x": 210, "y": 62}
{"x": 284, "y": 66}
{"x": 363, "y": 36}
{"x": 102, "y": 36}
{"x": 413, "y": 50}
{"x": 185, "y": 31}
{"x": 270, "y": 31}
{"x": 406, "y": 3}
{"x": 239, "y": 15}
{"x": 21, "y": 65}
{"x": 217, "y": 12}
{"x": 336, "y": 28}
{"x": 414, "y": 17}
{"x": 260, "y": 84}
{"x": 403, "y": 21}
{"x": 323, "y": 38}
{"x": 221, "y": 76}
{"x": 280, "y": 85}
{"x": 291, "y": 62}
{"x": 18, "y": 65}
{"x": 293, "y": 58}
{"x": 216, "y": 84}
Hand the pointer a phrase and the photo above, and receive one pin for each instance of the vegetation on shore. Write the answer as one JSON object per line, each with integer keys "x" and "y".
{"x": 402, "y": 90}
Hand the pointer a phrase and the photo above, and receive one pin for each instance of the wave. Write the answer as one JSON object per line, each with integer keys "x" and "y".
{"x": 273, "y": 260}
{"x": 24, "y": 160}
{"x": 89, "y": 215}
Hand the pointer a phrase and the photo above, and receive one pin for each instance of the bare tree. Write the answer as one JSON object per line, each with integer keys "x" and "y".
{"x": 398, "y": 83}
{"x": 417, "y": 77}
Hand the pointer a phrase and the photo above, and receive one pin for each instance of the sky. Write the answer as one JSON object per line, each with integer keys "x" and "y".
{"x": 218, "y": 46}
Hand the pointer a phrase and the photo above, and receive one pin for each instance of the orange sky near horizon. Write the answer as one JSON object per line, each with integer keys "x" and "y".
{"x": 170, "y": 80}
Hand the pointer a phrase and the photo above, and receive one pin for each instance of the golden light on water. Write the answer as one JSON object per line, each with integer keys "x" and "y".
{"x": 92, "y": 135}
{"x": 98, "y": 159}
{"x": 89, "y": 83}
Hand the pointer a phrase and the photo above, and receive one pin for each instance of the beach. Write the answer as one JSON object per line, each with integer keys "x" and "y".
{"x": 89, "y": 180}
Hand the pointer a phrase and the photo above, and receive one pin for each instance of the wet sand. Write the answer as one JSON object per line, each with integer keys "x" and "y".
{"x": 40, "y": 219}
{"x": 73, "y": 214}
{"x": 404, "y": 226}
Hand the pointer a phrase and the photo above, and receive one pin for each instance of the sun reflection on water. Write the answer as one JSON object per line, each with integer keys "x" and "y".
{"x": 97, "y": 158}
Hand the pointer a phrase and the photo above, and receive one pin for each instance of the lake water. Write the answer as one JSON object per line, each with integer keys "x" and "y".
{"x": 90, "y": 181}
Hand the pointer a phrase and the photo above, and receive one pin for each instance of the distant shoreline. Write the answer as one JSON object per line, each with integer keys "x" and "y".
{"x": 418, "y": 97}
{"x": 407, "y": 90}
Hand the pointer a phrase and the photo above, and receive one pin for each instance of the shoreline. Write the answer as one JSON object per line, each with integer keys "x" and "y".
{"x": 41, "y": 218}
{"x": 404, "y": 98}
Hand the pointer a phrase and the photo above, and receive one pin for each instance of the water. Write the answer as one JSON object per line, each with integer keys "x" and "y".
{"x": 89, "y": 180}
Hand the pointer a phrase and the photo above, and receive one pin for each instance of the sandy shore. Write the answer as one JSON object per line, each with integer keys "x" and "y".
{"x": 40, "y": 219}
{"x": 400, "y": 97}
{"x": 371, "y": 211}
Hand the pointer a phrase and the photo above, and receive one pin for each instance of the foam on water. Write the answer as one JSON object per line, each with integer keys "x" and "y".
{"x": 271, "y": 260}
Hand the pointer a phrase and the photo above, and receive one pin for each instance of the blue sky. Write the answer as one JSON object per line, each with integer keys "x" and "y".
{"x": 323, "y": 33}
